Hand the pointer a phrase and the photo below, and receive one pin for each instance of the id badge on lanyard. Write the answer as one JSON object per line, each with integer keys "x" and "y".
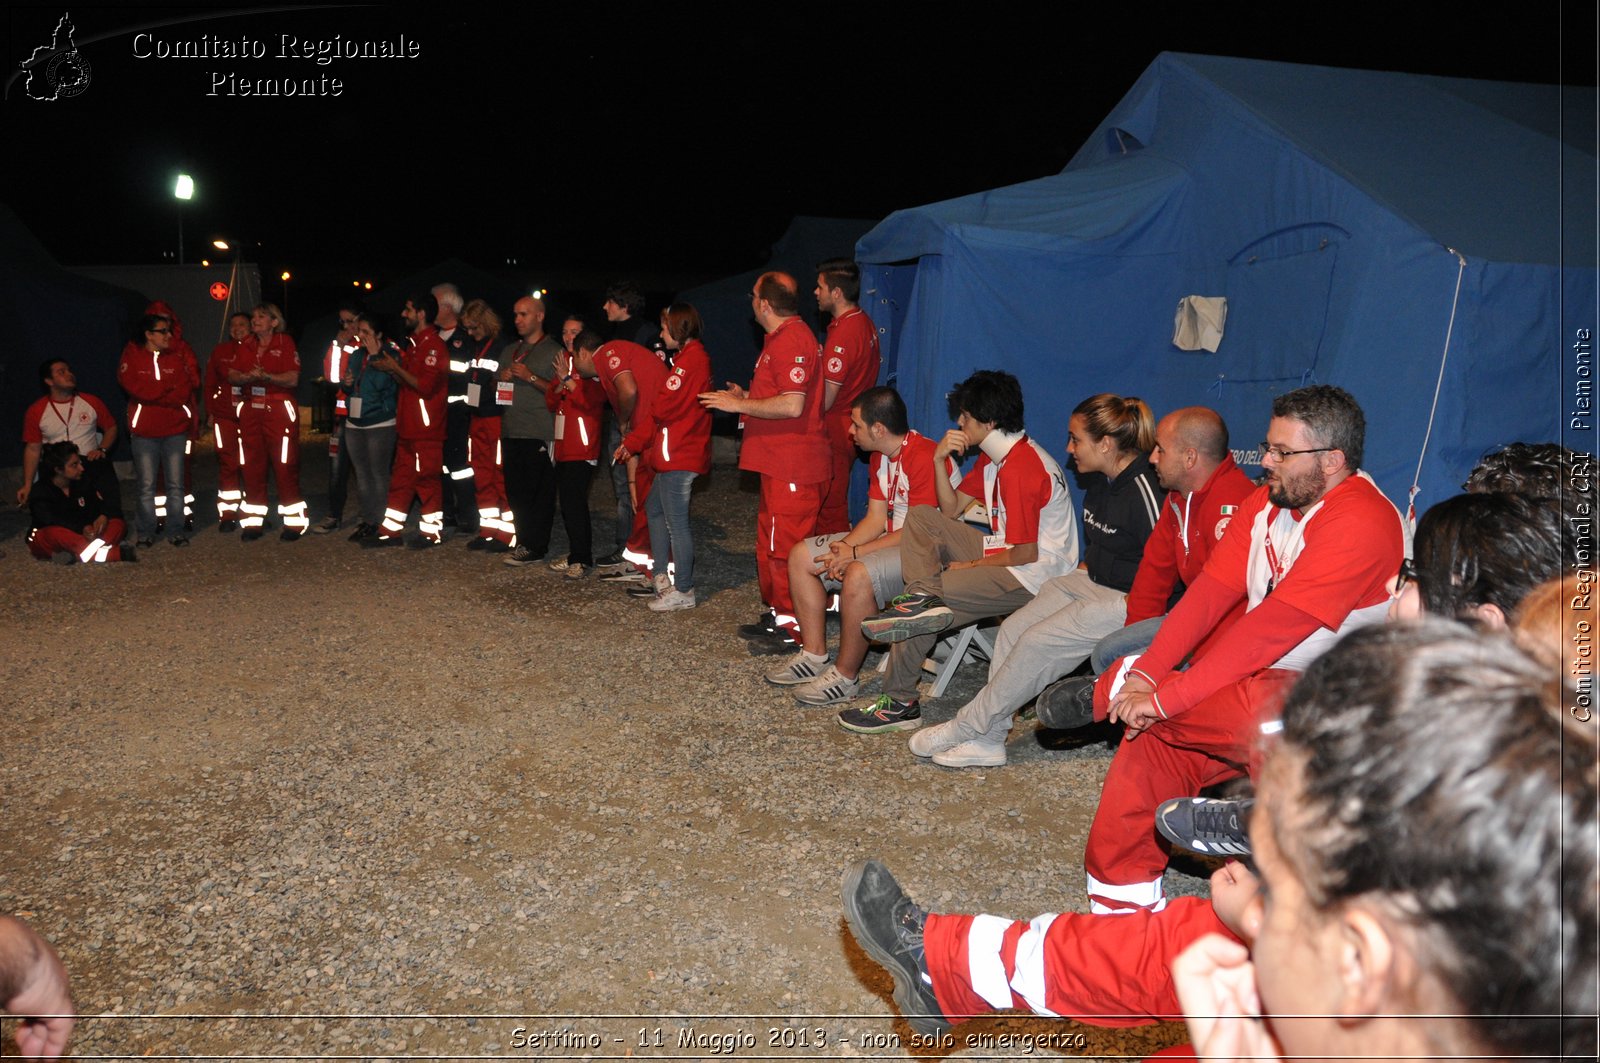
{"x": 258, "y": 396}
{"x": 474, "y": 394}
{"x": 995, "y": 542}
{"x": 503, "y": 391}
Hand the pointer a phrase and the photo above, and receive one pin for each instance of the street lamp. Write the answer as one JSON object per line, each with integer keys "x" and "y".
{"x": 182, "y": 191}
{"x": 284, "y": 276}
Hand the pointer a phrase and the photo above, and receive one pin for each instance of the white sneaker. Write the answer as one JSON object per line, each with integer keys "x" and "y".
{"x": 936, "y": 739}
{"x": 672, "y": 601}
{"x": 829, "y": 688}
{"x": 801, "y": 668}
{"x": 972, "y": 754}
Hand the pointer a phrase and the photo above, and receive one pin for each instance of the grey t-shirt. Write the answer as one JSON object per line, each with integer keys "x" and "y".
{"x": 527, "y": 417}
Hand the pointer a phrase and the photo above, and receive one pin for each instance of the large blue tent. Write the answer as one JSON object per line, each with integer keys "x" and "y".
{"x": 1426, "y": 243}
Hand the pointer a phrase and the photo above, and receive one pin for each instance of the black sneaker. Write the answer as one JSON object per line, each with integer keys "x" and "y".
{"x": 1067, "y": 703}
{"x": 907, "y": 616}
{"x": 765, "y": 627}
{"x": 228, "y": 526}
{"x": 1206, "y": 825}
{"x": 251, "y": 536}
{"x": 378, "y": 542}
{"x": 179, "y": 540}
{"x": 188, "y": 525}
{"x": 885, "y": 714}
{"x": 289, "y": 535}
{"x": 613, "y": 558}
{"x": 888, "y": 925}
{"x": 422, "y": 542}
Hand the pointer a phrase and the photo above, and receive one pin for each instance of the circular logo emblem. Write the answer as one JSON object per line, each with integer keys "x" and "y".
{"x": 674, "y": 383}
{"x": 68, "y": 74}
{"x": 798, "y": 374}
{"x": 836, "y": 364}
{"x": 1222, "y": 526}
{"x": 615, "y": 362}
{"x": 219, "y": 291}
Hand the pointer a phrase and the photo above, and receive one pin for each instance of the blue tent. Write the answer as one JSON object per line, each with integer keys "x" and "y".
{"x": 1392, "y": 234}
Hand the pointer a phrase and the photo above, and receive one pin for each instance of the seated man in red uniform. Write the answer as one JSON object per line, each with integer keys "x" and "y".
{"x": 65, "y": 413}
{"x": 419, "y": 428}
{"x": 71, "y": 522}
{"x": 1389, "y": 891}
{"x": 1310, "y": 554}
{"x": 863, "y": 564}
{"x": 955, "y": 574}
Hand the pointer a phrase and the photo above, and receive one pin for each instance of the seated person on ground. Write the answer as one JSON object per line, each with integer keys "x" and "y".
{"x": 71, "y": 521}
{"x": 863, "y": 564}
{"x": 956, "y": 574}
{"x": 1390, "y": 891}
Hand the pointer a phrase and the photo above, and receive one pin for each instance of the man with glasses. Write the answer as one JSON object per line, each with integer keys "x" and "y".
{"x": 1311, "y": 554}
{"x": 784, "y": 438}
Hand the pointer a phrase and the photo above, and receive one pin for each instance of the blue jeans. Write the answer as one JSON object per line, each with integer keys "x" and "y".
{"x": 667, "y": 510}
{"x": 1135, "y": 638}
{"x": 164, "y": 453}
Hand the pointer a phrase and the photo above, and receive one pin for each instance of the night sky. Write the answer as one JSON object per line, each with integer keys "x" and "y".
{"x": 654, "y": 140}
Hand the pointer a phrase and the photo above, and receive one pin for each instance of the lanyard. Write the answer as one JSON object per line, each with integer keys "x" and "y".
{"x": 66, "y": 422}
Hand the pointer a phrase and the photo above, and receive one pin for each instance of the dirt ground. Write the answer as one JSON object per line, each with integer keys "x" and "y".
{"x": 302, "y": 799}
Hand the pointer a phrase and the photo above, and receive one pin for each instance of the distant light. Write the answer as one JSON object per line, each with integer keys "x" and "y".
{"x": 205, "y": 262}
{"x": 285, "y": 275}
{"x": 220, "y": 245}
{"x": 355, "y": 284}
{"x": 368, "y": 286}
{"x": 184, "y": 189}
{"x": 537, "y": 293}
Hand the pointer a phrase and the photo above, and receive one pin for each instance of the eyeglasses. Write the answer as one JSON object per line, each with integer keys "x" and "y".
{"x": 1407, "y": 574}
{"x": 1278, "y": 454}
{"x": 161, "y": 331}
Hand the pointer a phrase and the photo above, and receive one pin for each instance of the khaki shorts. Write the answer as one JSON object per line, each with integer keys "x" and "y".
{"x": 883, "y": 567}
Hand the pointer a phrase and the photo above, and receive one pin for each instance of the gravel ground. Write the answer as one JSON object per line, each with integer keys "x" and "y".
{"x": 308, "y": 800}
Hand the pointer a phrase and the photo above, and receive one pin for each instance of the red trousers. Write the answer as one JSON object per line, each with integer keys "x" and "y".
{"x": 417, "y": 466}
{"x": 230, "y": 458}
{"x": 1211, "y": 743}
{"x": 787, "y": 513}
{"x": 835, "y": 514}
{"x": 44, "y": 542}
{"x": 1107, "y": 972}
{"x": 269, "y": 435}
{"x": 489, "y": 481}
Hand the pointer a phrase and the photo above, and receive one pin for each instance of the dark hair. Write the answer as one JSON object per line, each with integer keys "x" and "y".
{"x": 374, "y": 320}
{"x": 883, "y": 406}
{"x": 588, "y": 340}
{"x": 627, "y": 295}
{"x": 1332, "y": 415}
{"x": 427, "y": 303}
{"x": 1439, "y": 775}
{"x": 47, "y": 367}
{"x": 1539, "y": 470}
{"x": 147, "y": 323}
{"x": 990, "y": 396}
{"x": 53, "y": 457}
{"x": 1128, "y": 421}
{"x": 843, "y": 274}
{"x": 1479, "y": 549}
{"x": 682, "y": 322}
{"x": 780, "y": 292}
{"x": 245, "y": 314}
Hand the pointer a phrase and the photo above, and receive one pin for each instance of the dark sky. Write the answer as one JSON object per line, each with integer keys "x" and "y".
{"x": 655, "y": 139}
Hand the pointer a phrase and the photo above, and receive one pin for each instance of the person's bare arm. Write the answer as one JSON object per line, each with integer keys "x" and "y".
{"x": 33, "y": 985}
{"x": 30, "y": 468}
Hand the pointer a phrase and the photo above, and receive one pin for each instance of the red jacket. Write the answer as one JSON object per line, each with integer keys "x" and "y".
{"x": 159, "y": 388}
{"x": 618, "y": 357}
{"x": 577, "y": 415}
{"x": 421, "y": 411}
{"x": 682, "y": 441}
{"x": 223, "y": 398}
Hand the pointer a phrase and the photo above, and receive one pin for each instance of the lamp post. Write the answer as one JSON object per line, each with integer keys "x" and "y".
{"x": 182, "y": 191}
